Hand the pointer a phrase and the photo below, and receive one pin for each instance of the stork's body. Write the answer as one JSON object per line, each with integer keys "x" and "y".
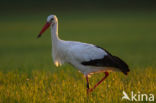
{"x": 87, "y": 58}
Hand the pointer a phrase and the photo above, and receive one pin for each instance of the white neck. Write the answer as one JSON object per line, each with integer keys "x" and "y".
{"x": 54, "y": 32}
{"x": 56, "y": 45}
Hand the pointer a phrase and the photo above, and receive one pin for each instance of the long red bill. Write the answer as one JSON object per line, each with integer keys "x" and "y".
{"x": 43, "y": 29}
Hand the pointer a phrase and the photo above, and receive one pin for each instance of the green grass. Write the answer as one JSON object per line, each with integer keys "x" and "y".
{"x": 27, "y": 73}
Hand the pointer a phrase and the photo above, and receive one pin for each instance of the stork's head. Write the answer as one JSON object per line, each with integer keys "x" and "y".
{"x": 51, "y": 19}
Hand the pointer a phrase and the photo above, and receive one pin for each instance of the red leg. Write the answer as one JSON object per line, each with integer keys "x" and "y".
{"x": 87, "y": 84}
{"x": 106, "y": 75}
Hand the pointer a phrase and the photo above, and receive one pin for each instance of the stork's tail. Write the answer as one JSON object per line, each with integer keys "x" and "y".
{"x": 121, "y": 65}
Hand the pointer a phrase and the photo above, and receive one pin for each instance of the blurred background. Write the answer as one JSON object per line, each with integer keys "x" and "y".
{"x": 126, "y": 28}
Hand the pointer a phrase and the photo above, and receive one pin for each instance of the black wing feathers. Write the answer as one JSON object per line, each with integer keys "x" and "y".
{"x": 108, "y": 61}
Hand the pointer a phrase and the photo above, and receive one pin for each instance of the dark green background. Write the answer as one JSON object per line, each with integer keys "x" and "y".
{"x": 71, "y": 5}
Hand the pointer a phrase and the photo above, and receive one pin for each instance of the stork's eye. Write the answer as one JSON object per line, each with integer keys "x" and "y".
{"x": 52, "y": 19}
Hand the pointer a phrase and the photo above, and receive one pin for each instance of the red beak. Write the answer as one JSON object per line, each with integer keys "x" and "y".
{"x": 43, "y": 29}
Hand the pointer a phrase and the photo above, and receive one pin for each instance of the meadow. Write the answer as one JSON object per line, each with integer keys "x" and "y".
{"x": 27, "y": 72}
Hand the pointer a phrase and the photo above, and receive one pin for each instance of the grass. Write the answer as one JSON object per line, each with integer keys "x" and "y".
{"x": 27, "y": 73}
{"x": 63, "y": 86}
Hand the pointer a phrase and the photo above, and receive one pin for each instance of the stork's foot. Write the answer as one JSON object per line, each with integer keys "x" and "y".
{"x": 90, "y": 90}
{"x": 87, "y": 91}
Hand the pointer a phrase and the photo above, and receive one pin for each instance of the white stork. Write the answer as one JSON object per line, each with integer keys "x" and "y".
{"x": 87, "y": 58}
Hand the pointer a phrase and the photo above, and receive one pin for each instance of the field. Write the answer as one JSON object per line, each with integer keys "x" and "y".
{"x": 27, "y": 72}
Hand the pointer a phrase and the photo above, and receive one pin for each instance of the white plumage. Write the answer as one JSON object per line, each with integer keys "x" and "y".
{"x": 75, "y": 53}
{"x": 86, "y": 57}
